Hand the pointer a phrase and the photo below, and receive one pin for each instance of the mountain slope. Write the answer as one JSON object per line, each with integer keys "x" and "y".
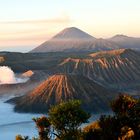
{"x": 126, "y": 42}
{"x": 116, "y": 69}
{"x": 72, "y": 33}
{"x": 74, "y": 40}
{"x": 63, "y": 87}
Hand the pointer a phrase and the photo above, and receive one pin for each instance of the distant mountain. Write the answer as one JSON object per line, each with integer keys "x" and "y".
{"x": 74, "y": 40}
{"x": 103, "y": 44}
{"x": 115, "y": 69}
{"x": 72, "y": 33}
{"x": 126, "y": 42}
{"x": 62, "y": 87}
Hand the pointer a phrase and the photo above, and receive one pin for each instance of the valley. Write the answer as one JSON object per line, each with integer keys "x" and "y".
{"x": 117, "y": 71}
{"x": 71, "y": 65}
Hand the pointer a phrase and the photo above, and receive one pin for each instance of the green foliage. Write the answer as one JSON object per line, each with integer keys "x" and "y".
{"x": 123, "y": 125}
{"x": 123, "y": 104}
{"x": 127, "y": 110}
{"x": 42, "y": 122}
{"x": 64, "y": 119}
{"x": 67, "y": 117}
{"x": 43, "y": 126}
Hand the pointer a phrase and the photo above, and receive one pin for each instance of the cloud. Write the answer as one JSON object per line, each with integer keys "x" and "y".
{"x": 65, "y": 19}
{"x": 23, "y": 27}
{"x": 31, "y": 32}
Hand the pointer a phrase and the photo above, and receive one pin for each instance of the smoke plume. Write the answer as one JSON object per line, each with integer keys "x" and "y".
{"x": 7, "y": 76}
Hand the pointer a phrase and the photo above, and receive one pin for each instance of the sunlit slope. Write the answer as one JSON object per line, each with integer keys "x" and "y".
{"x": 62, "y": 87}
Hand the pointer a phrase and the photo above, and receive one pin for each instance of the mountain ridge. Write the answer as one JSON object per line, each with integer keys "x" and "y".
{"x": 126, "y": 42}
{"x": 114, "y": 68}
{"x": 73, "y": 39}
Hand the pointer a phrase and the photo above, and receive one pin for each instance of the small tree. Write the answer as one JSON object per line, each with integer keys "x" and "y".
{"x": 134, "y": 120}
{"x": 66, "y": 119}
{"x": 123, "y": 104}
{"x": 127, "y": 111}
{"x": 43, "y": 126}
{"x": 126, "y": 118}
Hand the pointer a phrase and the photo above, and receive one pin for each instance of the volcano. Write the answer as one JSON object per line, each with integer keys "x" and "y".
{"x": 74, "y": 40}
{"x": 64, "y": 87}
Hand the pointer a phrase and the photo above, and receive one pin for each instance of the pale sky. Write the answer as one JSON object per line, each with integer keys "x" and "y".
{"x": 25, "y": 24}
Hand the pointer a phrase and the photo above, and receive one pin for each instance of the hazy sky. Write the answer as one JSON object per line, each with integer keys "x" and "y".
{"x": 24, "y": 24}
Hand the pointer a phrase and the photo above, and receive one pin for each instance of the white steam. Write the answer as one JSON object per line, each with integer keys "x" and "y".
{"x": 7, "y": 76}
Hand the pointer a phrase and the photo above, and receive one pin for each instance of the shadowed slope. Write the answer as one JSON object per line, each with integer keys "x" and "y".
{"x": 126, "y": 42}
{"x": 63, "y": 87}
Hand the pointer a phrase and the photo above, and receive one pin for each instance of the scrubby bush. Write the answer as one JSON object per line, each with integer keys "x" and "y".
{"x": 43, "y": 126}
{"x": 64, "y": 121}
{"x": 123, "y": 125}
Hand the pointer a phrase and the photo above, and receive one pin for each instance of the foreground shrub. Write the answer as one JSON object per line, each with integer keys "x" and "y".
{"x": 66, "y": 119}
{"x": 43, "y": 126}
{"x": 123, "y": 125}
